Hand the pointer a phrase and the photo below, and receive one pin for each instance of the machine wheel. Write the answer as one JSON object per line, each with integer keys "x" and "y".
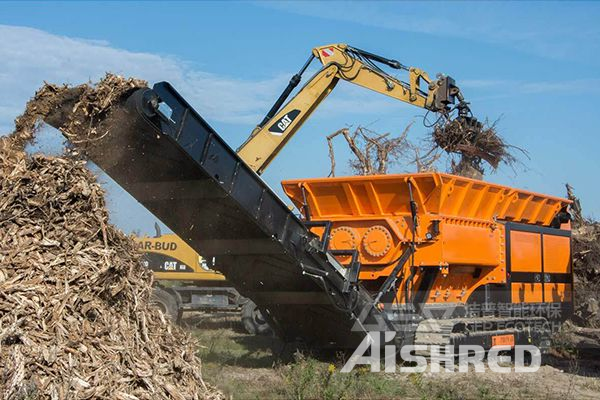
{"x": 167, "y": 303}
{"x": 253, "y": 320}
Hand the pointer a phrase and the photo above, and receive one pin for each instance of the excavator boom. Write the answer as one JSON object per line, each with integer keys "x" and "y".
{"x": 356, "y": 66}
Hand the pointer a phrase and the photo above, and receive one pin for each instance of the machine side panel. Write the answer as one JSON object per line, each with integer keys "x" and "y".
{"x": 539, "y": 263}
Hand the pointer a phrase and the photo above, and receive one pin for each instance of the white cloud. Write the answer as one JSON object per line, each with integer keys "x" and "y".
{"x": 31, "y": 56}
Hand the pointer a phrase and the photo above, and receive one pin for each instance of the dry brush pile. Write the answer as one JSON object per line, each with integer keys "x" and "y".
{"x": 469, "y": 146}
{"x": 586, "y": 264}
{"x": 586, "y": 268}
{"x": 75, "y": 319}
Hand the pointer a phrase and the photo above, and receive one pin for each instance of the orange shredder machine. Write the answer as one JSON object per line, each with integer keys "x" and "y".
{"x": 471, "y": 248}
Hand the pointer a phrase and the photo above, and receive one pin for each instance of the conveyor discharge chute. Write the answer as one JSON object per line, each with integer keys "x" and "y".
{"x": 164, "y": 154}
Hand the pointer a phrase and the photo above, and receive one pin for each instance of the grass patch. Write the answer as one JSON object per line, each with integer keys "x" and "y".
{"x": 309, "y": 378}
{"x": 260, "y": 367}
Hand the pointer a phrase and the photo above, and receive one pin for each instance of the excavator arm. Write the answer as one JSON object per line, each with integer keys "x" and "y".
{"x": 359, "y": 67}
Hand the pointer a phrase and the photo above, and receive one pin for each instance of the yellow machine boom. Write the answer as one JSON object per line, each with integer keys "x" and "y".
{"x": 344, "y": 62}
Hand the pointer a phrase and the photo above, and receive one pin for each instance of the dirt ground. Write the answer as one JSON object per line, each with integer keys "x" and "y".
{"x": 258, "y": 367}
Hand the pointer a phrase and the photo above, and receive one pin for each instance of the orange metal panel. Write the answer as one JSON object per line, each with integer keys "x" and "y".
{"x": 503, "y": 340}
{"x": 461, "y": 282}
{"x": 525, "y": 252}
{"x": 557, "y": 292}
{"x": 470, "y": 245}
{"x": 362, "y": 198}
{"x": 557, "y": 254}
{"x": 441, "y": 194}
{"x": 527, "y": 293}
{"x": 328, "y": 200}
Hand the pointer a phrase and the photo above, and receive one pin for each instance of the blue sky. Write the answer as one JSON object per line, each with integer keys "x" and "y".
{"x": 533, "y": 64}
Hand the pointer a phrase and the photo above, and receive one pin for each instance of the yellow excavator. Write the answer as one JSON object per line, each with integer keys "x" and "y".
{"x": 185, "y": 281}
{"x": 359, "y": 67}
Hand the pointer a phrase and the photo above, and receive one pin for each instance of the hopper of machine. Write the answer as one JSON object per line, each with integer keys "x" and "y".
{"x": 457, "y": 225}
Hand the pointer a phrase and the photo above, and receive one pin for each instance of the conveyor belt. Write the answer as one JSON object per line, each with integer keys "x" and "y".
{"x": 179, "y": 168}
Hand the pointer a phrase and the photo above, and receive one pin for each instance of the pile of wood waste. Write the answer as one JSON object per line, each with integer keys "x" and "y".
{"x": 75, "y": 318}
{"x": 586, "y": 264}
{"x": 580, "y": 337}
{"x": 586, "y": 268}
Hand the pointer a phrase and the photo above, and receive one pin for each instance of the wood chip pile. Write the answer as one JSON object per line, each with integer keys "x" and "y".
{"x": 75, "y": 319}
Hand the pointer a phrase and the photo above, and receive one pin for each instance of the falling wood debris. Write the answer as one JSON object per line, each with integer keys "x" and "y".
{"x": 75, "y": 319}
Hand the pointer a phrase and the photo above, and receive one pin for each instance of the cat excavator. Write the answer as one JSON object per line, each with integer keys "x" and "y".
{"x": 185, "y": 282}
{"x": 359, "y": 67}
